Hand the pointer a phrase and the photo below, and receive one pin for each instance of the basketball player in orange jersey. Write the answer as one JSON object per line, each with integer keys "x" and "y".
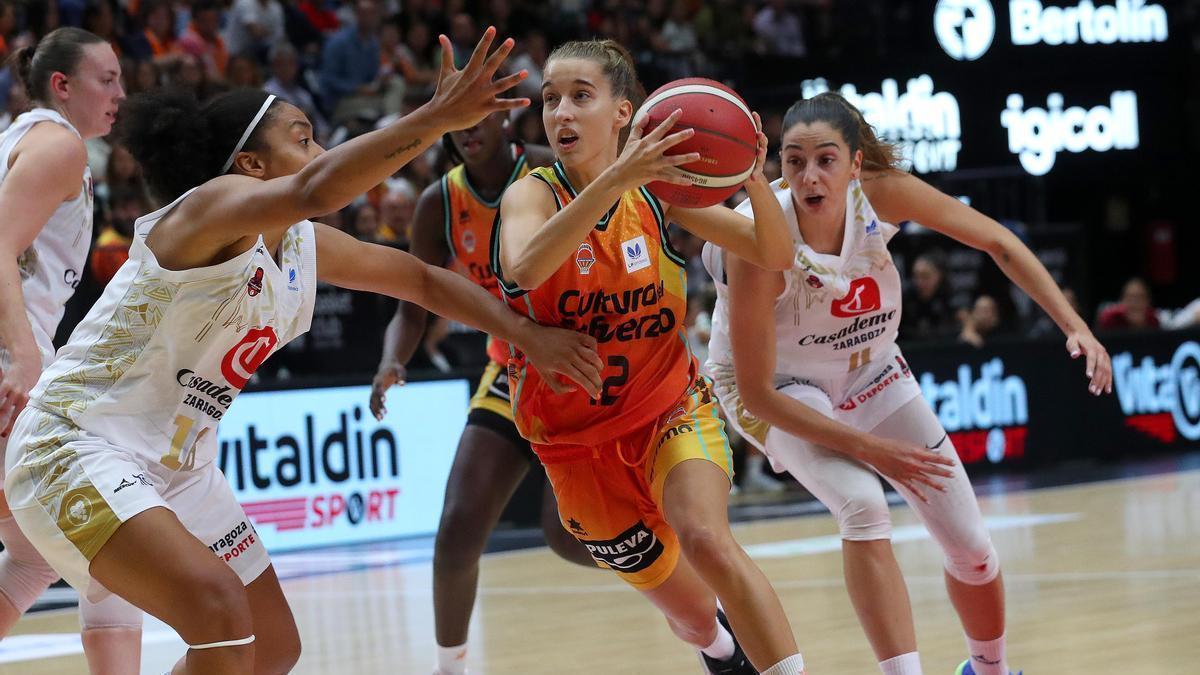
{"x": 642, "y": 472}
{"x": 453, "y": 226}
{"x": 806, "y": 366}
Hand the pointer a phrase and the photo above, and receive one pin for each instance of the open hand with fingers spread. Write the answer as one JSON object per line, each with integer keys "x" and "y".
{"x": 644, "y": 159}
{"x": 912, "y": 466}
{"x": 464, "y": 97}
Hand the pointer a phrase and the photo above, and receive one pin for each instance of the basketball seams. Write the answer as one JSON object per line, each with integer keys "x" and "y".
{"x": 695, "y": 89}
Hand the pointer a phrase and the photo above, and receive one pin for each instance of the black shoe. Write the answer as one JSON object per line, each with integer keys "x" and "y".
{"x": 737, "y": 664}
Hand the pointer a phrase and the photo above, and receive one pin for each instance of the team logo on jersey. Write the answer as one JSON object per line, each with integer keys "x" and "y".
{"x": 631, "y": 551}
{"x": 585, "y": 257}
{"x": 78, "y": 510}
{"x": 246, "y": 356}
{"x": 468, "y": 241}
{"x": 862, "y": 298}
{"x": 576, "y": 527}
{"x": 872, "y": 227}
{"x": 814, "y": 282}
{"x": 637, "y": 256}
{"x": 292, "y": 279}
{"x": 254, "y": 286}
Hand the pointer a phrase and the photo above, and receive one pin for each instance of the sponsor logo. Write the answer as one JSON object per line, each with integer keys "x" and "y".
{"x": 138, "y": 479}
{"x": 71, "y": 277}
{"x": 246, "y": 356}
{"x": 468, "y": 240}
{"x": 1147, "y": 388}
{"x": 209, "y": 397}
{"x": 926, "y": 123}
{"x": 576, "y": 527}
{"x": 631, "y": 551}
{"x": 674, "y": 431}
{"x": 863, "y": 329}
{"x": 862, "y": 298}
{"x": 1037, "y": 135}
{"x": 882, "y": 381}
{"x": 591, "y": 312}
{"x": 292, "y": 279}
{"x": 985, "y": 416}
{"x": 637, "y": 255}
{"x": 964, "y": 28}
{"x": 814, "y": 282}
{"x": 585, "y": 258}
{"x": 78, "y": 510}
{"x": 903, "y": 366}
{"x": 254, "y": 286}
{"x": 1124, "y": 21}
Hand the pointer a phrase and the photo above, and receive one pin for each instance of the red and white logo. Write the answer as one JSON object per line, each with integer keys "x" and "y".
{"x": 254, "y": 286}
{"x": 246, "y": 356}
{"x": 468, "y": 241}
{"x": 585, "y": 257}
{"x": 862, "y": 298}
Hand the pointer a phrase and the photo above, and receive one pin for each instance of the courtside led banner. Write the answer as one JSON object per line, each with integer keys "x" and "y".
{"x": 312, "y": 467}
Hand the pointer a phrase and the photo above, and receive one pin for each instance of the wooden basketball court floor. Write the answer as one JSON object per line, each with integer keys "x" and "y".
{"x": 1102, "y": 578}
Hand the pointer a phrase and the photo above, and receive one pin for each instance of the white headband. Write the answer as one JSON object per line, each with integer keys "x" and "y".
{"x": 249, "y": 130}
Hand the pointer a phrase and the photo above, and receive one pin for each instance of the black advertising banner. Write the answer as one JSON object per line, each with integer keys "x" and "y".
{"x": 1027, "y": 402}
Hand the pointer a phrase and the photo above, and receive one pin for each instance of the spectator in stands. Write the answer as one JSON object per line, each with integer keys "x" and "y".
{"x": 779, "y": 30}
{"x": 351, "y": 81}
{"x": 244, "y": 71}
{"x": 677, "y": 43}
{"x": 1134, "y": 311}
{"x": 156, "y": 41}
{"x": 416, "y": 60}
{"x": 463, "y": 35}
{"x": 366, "y": 222}
{"x": 253, "y": 27}
{"x": 285, "y": 83}
{"x": 396, "y": 214}
{"x": 99, "y": 17}
{"x": 532, "y": 58}
{"x": 927, "y": 312}
{"x": 202, "y": 38}
{"x": 981, "y": 322}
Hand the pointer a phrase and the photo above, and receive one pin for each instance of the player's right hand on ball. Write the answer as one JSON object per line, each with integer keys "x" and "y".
{"x": 557, "y": 351}
{"x": 644, "y": 159}
{"x": 464, "y": 97}
{"x": 915, "y": 467}
{"x": 388, "y": 375}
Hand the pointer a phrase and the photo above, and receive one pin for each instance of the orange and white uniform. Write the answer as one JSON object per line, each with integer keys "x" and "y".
{"x": 608, "y": 459}
{"x": 468, "y": 221}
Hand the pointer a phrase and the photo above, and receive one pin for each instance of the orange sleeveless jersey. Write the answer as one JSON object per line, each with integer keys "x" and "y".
{"x": 469, "y": 220}
{"x": 625, "y": 287}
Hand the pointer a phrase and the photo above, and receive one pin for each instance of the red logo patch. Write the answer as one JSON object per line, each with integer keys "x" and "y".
{"x": 585, "y": 258}
{"x": 813, "y": 281}
{"x": 246, "y": 356}
{"x": 862, "y": 298}
{"x": 254, "y": 286}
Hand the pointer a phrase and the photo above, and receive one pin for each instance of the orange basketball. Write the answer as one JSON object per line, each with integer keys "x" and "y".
{"x": 725, "y": 138}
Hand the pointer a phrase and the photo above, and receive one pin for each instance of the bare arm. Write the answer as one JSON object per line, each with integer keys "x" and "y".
{"x": 536, "y": 239}
{"x": 899, "y": 196}
{"x": 47, "y": 169}
{"x": 344, "y": 261}
{"x": 752, "y": 293}
{"x": 231, "y": 207}
{"x": 404, "y": 331}
{"x": 763, "y": 240}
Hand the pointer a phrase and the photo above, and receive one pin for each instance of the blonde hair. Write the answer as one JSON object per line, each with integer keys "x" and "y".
{"x": 615, "y": 61}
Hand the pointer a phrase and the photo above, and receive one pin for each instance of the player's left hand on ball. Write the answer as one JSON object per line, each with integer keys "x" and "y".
{"x": 1099, "y": 365}
{"x": 568, "y": 353}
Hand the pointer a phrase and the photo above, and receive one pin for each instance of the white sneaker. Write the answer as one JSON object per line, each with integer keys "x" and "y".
{"x": 761, "y": 482}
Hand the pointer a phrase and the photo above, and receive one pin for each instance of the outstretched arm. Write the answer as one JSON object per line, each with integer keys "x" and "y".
{"x": 344, "y": 261}
{"x": 898, "y": 196}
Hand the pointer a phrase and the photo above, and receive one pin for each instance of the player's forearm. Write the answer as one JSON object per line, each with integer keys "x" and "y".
{"x": 787, "y": 414}
{"x": 16, "y": 335}
{"x": 772, "y": 241}
{"x": 1023, "y": 268}
{"x": 560, "y": 236}
{"x": 451, "y": 295}
{"x": 403, "y": 334}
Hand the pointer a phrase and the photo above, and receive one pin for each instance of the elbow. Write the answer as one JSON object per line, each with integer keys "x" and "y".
{"x": 525, "y": 277}
{"x": 755, "y": 401}
{"x": 778, "y": 260}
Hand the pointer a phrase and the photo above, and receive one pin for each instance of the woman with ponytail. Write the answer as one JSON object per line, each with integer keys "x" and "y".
{"x": 73, "y": 80}
{"x": 112, "y": 470}
{"x": 642, "y": 472}
{"x": 824, "y": 391}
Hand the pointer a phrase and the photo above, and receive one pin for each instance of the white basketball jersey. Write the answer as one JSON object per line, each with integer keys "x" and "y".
{"x": 159, "y": 359}
{"x": 836, "y": 310}
{"x": 51, "y": 267}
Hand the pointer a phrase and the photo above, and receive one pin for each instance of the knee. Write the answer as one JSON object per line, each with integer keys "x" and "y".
{"x": 278, "y": 655}
{"x": 460, "y": 538}
{"x": 710, "y": 550}
{"x": 864, "y": 518}
{"x": 975, "y": 563}
{"x": 217, "y": 609}
{"x": 699, "y": 630}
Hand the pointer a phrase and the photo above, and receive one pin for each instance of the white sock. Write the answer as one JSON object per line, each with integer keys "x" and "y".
{"x": 792, "y": 665}
{"x": 722, "y": 647}
{"x": 452, "y": 660}
{"x": 905, "y": 664}
{"x": 987, "y": 656}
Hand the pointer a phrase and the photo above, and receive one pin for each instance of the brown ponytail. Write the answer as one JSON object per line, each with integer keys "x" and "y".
{"x": 59, "y": 52}
{"x": 833, "y": 109}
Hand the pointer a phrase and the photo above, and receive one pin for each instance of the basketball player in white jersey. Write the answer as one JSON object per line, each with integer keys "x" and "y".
{"x": 826, "y": 393}
{"x": 74, "y": 81}
{"x": 111, "y": 470}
